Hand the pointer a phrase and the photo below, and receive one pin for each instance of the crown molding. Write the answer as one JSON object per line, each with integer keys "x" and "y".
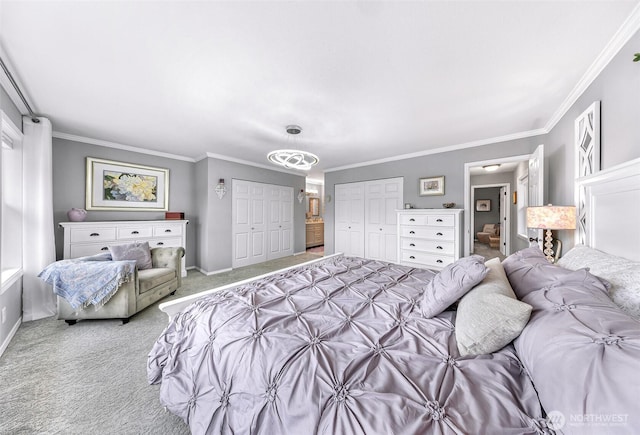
{"x": 249, "y": 163}
{"x": 119, "y": 146}
{"x": 462, "y": 146}
{"x": 629, "y": 28}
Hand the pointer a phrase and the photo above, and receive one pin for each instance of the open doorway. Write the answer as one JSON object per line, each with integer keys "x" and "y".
{"x": 491, "y": 219}
{"x": 525, "y": 176}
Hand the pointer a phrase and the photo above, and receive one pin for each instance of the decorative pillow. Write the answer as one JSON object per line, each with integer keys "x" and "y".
{"x": 451, "y": 283}
{"x": 579, "y": 348}
{"x": 623, "y": 275}
{"x": 489, "y": 316}
{"x": 133, "y": 251}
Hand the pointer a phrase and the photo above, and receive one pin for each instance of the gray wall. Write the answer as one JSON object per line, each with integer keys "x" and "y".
{"x": 618, "y": 90}
{"x": 216, "y": 253}
{"x": 490, "y": 217}
{"x": 450, "y": 164}
{"x": 10, "y": 109}
{"x": 69, "y": 161}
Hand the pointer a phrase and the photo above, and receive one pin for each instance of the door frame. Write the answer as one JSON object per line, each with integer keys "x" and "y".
{"x": 468, "y": 205}
{"x": 505, "y": 227}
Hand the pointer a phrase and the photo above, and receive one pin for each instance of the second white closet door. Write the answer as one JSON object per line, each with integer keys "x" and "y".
{"x": 382, "y": 199}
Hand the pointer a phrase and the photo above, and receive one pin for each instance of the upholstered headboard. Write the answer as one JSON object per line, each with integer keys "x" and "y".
{"x": 609, "y": 216}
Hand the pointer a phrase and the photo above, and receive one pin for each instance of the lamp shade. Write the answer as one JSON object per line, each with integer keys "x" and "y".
{"x": 552, "y": 217}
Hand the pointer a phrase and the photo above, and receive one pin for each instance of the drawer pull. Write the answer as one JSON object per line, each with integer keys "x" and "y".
{"x": 412, "y": 244}
{"x": 160, "y": 243}
{"x": 438, "y": 261}
{"x": 438, "y": 220}
{"x": 135, "y": 232}
{"x": 438, "y": 234}
{"x": 438, "y": 247}
{"x": 94, "y": 234}
{"x": 412, "y": 220}
{"x": 412, "y": 257}
{"x": 105, "y": 249}
{"x": 167, "y": 231}
{"x": 412, "y": 232}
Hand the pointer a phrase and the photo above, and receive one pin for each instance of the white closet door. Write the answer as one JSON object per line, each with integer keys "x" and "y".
{"x": 286, "y": 221}
{"x": 349, "y": 215}
{"x": 382, "y": 200}
{"x": 280, "y": 215}
{"x": 249, "y": 226}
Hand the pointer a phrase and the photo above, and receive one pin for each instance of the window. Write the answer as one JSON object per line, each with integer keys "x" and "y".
{"x": 11, "y": 202}
{"x": 523, "y": 200}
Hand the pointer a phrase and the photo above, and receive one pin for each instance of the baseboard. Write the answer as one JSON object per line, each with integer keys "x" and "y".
{"x": 13, "y": 331}
{"x": 215, "y": 272}
{"x": 299, "y": 253}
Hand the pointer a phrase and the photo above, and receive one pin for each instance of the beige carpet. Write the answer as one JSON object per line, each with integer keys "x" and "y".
{"x": 91, "y": 378}
{"x": 486, "y": 251}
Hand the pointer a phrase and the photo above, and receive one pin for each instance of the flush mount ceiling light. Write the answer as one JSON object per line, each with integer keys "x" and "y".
{"x": 293, "y": 159}
{"x": 491, "y": 168}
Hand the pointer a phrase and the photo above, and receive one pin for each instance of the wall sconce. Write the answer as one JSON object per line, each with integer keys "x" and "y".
{"x": 301, "y": 196}
{"x": 221, "y": 189}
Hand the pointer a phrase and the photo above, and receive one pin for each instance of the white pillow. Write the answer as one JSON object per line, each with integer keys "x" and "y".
{"x": 623, "y": 275}
{"x": 489, "y": 316}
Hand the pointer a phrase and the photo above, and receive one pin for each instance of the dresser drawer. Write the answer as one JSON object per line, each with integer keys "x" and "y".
{"x": 79, "y": 235}
{"x": 167, "y": 230}
{"x": 84, "y": 250}
{"x": 132, "y": 233}
{"x": 433, "y": 233}
{"x": 429, "y": 260}
{"x": 169, "y": 242}
{"x": 439, "y": 247}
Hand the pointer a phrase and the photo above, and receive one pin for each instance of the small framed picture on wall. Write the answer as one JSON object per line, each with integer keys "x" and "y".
{"x": 431, "y": 186}
{"x": 483, "y": 205}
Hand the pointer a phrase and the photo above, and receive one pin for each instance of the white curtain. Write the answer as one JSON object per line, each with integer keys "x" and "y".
{"x": 39, "y": 248}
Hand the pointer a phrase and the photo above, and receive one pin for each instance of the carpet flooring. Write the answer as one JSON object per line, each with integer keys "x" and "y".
{"x": 91, "y": 378}
{"x": 486, "y": 251}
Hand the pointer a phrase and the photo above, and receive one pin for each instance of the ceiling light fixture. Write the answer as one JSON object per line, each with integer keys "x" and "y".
{"x": 491, "y": 168}
{"x": 293, "y": 159}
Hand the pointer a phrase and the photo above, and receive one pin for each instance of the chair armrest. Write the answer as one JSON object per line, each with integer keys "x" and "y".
{"x": 168, "y": 257}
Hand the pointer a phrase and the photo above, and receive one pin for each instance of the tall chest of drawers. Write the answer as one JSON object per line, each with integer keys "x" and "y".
{"x": 89, "y": 238}
{"x": 429, "y": 238}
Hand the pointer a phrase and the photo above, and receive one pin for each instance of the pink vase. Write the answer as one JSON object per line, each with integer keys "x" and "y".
{"x": 77, "y": 214}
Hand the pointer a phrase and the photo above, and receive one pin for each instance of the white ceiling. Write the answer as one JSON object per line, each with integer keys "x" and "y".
{"x": 366, "y": 80}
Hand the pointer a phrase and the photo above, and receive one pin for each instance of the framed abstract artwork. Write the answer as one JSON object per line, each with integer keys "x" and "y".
{"x": 483, "y": 205}
{"x": 431, "y": 186}
{"x": 126, "y": 186}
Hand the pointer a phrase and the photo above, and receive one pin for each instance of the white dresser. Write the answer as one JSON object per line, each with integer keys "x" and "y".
{"x": 89, "y": 238}
{"x": 429, "y": 238}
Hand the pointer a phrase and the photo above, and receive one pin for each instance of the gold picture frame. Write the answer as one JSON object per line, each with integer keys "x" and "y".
{"x": 112, "y": 185}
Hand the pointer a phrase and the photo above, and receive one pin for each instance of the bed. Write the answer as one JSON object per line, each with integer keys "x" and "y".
{"x": 345, "y": 345}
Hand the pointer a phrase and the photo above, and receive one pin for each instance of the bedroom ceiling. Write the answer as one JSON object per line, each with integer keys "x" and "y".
{"x": 366, "y": 80}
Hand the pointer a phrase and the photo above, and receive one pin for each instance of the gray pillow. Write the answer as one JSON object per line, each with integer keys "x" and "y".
{"x": 489, "y": 316}
{"x": 133, "y": 251}
{"x": 451, "y": 283}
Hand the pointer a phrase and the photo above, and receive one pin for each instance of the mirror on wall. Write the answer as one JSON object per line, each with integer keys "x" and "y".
{"x": 314, "y": 206}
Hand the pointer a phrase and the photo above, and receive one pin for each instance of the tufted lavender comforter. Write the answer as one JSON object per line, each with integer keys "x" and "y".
{"x": 338, "y": 347}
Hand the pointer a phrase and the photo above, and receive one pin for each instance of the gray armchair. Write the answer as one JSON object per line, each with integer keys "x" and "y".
{"x": 146, "y": 287}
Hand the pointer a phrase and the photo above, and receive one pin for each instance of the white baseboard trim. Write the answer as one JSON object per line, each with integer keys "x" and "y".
{"x": 215, "y": 272}
{"x": 6, "y": 342}
{"x": 299, "y": 253}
